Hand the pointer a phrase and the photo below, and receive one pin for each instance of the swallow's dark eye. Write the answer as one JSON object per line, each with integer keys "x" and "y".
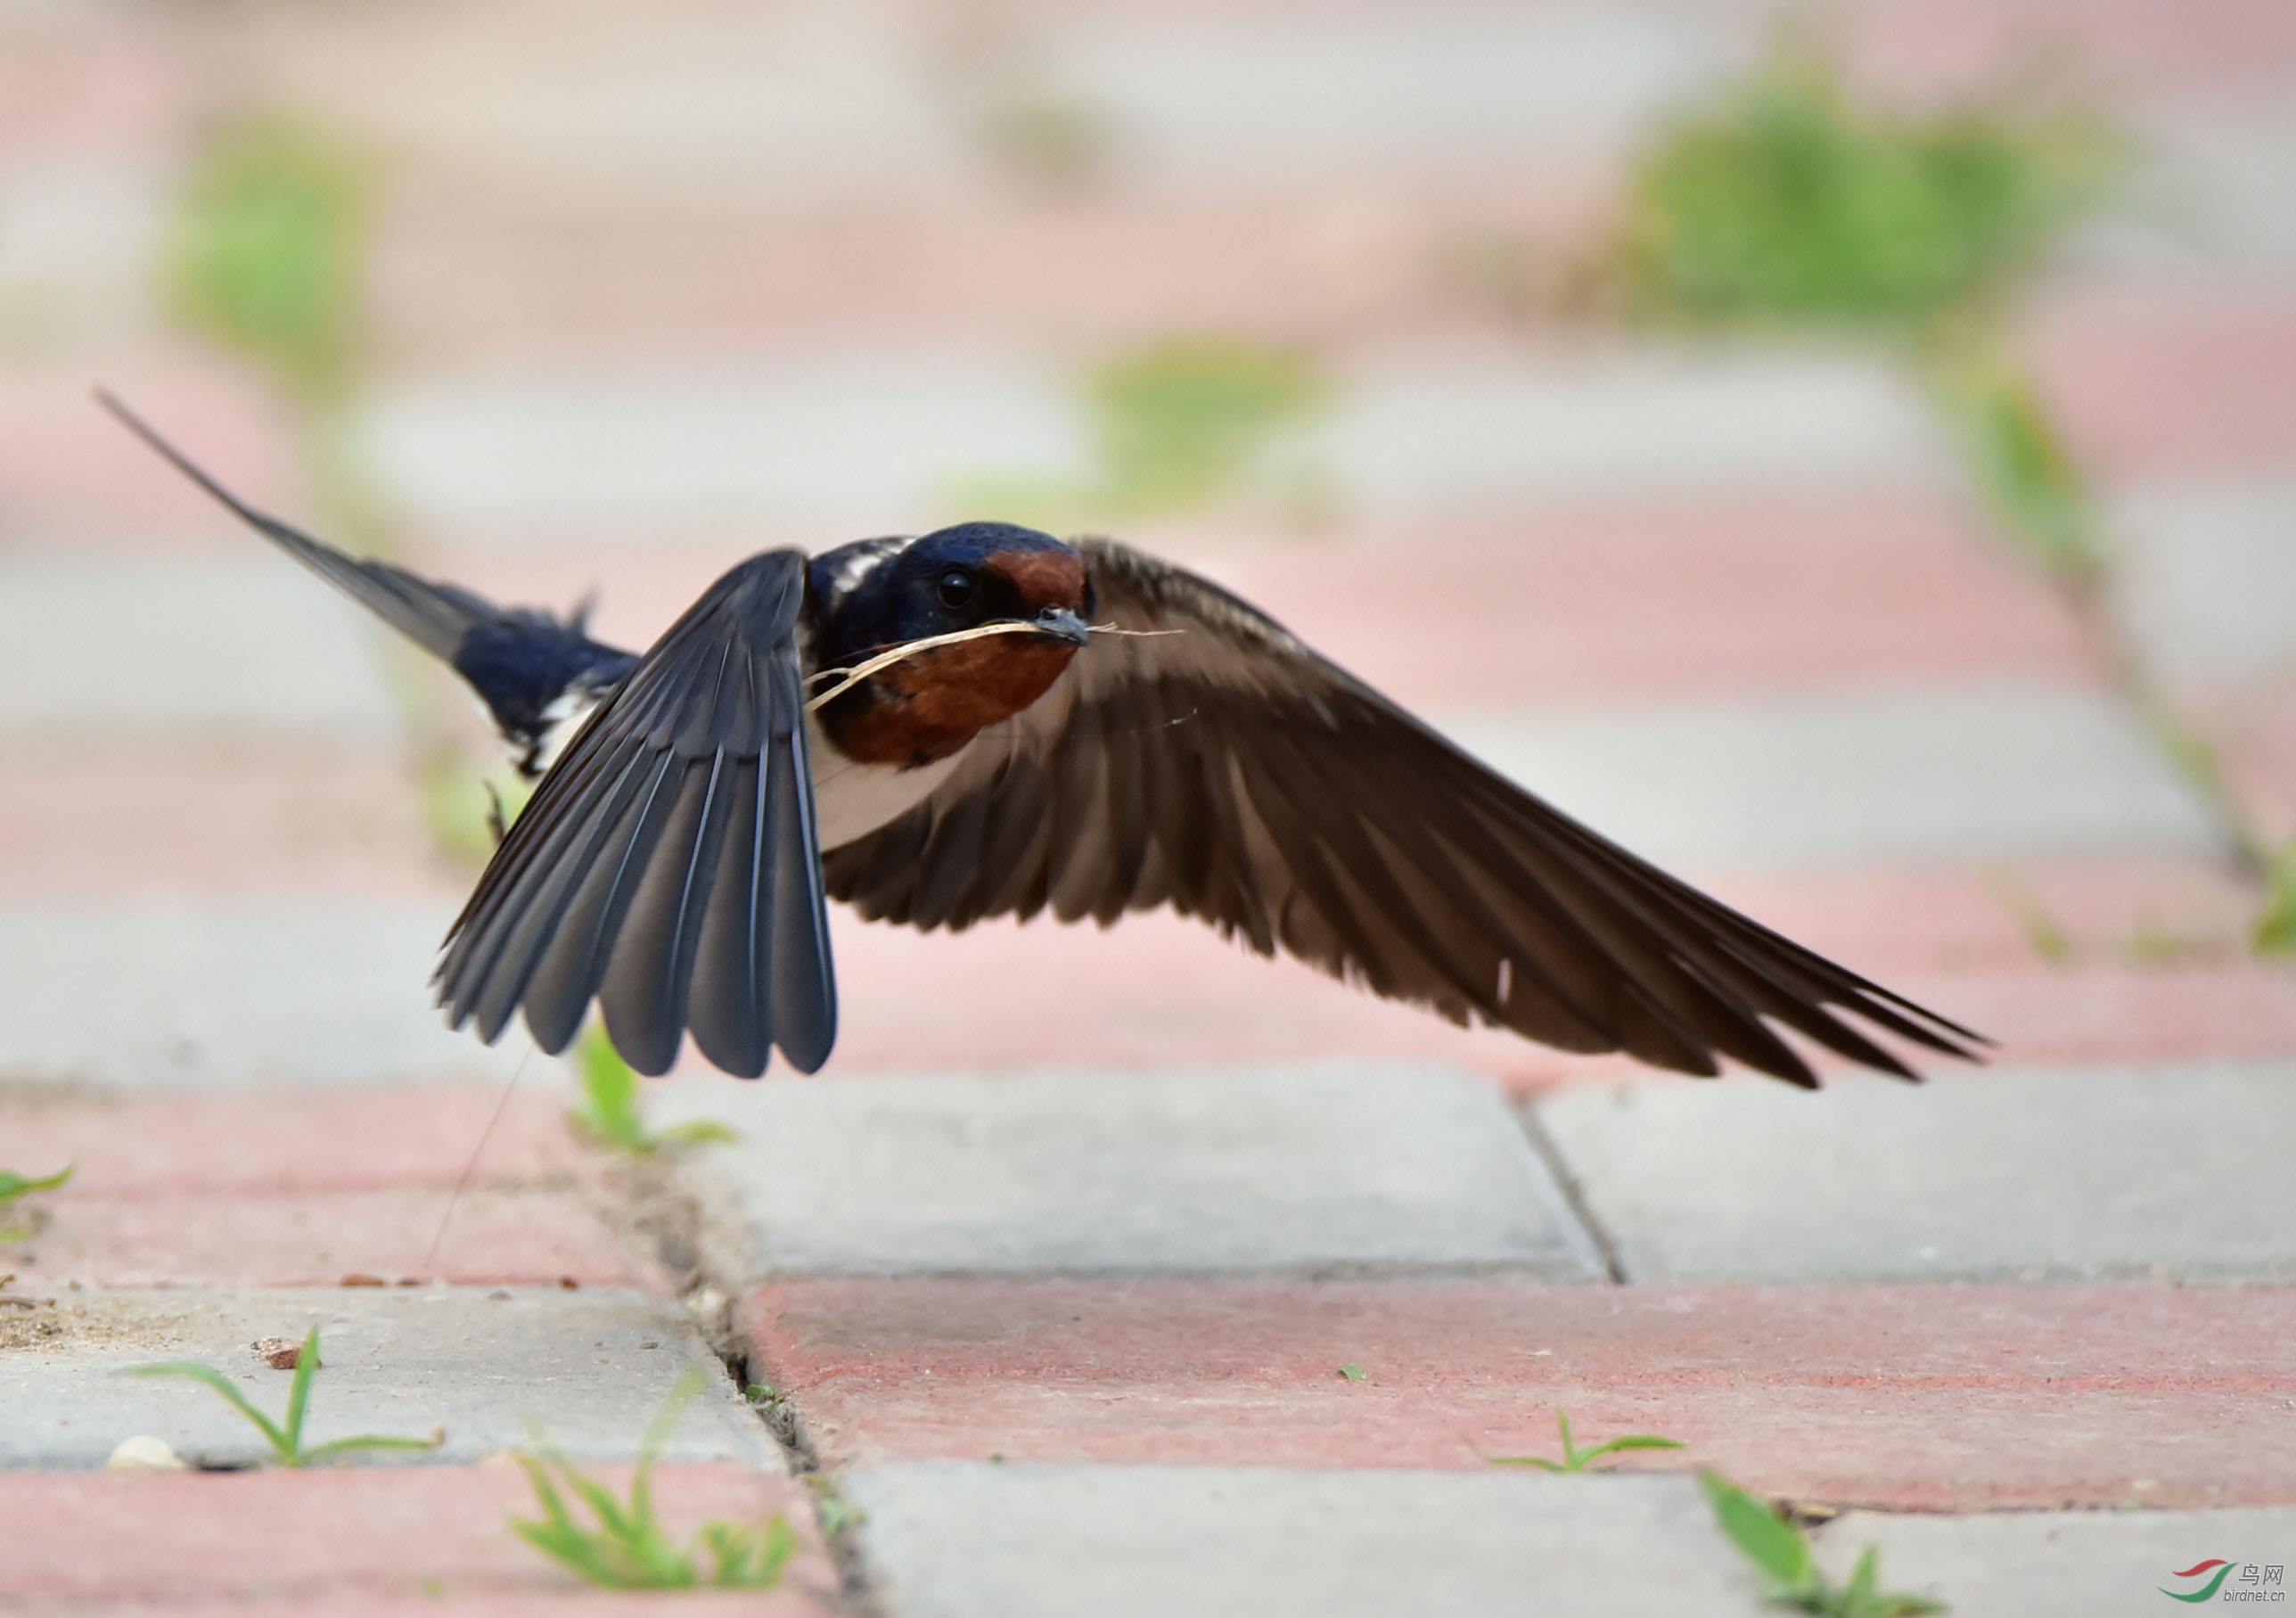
{"x": 955, "y": 587}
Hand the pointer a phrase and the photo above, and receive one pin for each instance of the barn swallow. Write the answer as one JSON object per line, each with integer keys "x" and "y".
{"x": 697, "y": 805}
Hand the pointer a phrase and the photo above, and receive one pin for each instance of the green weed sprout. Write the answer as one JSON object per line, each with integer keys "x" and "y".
{"x": 627, "y": 1549}
{"x": 269, "y": 249}
{"x": 2276, "y": 929}
{"x": 14, "y": 1185}
{"x": 1575, "y": 1459}
{"x": 1179, "y": 422}
{"x": 610, "y": 1114}
{"x": 1790, "y": 203}
{"x": 286, "y": 1439}
{"x": 2022, "y": 466}
{"x": 1777, "y": 1549}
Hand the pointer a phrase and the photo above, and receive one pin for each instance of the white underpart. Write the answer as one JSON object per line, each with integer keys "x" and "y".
{"x": 559, "y": 722}
{"x": 851, "y": 801}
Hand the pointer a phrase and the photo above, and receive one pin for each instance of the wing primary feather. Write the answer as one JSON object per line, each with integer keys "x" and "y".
{"x": 644, "y": 987}
{"x": 501, "y": 940}
{"x": 572, "y": 962}
{"x": 804, "y": 991}
{"x": 728, "y": 1012}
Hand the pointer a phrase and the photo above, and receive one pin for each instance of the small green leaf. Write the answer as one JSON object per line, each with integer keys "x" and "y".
{"x": 610, "y": 1112}
{"x": 1763, "y": 1536}
{"x": 1632, "y": 1440}
{"x": 1181, "y": 422}
{"x": 286, "y": 1442}
{"x": 699, "y": 1132}
{"x": 1352, "y": 1372}
{"x": 2276, "y": 928}
{"x": 14, "y": 1185}
{"x": 1574, "y": 1458}
{"x": 746, "y": 1558}
{"x": 609, "y": 1096}
{"x": 335, "y": 1446}
{"x": 1789, "y": 202}
{"x": 224, "y": 1385}
{"x": 298, "y": 1391}
{"x": 269, "y": 249}
{"x": 1864, "y": 1597}
{"x": 627, "y": 1549}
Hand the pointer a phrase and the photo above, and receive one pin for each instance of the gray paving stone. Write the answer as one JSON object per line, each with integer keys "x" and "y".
{"x": 1218, "y": 99}
{"x": 2171, "y": 1171}
{"x": 858, "y": 445}
{"x": 1986, "y": 770}
{"x": 1416, "y": 437}
{"x": 2210, "y": 197}
{"x": 83, "y": 232}
{"x": 2207, "y": 577}
{"x": 588, "y": 1369}
{"x": 970, "y": 1539}
{"x": 233, "y": 645}
{"x": 164, "y": 995}
{"x": 2069, "y": 1564}
{"x": 1341, "y": 1168}
{"x": 877, "y": 443}
{"x": 817, "y": 100}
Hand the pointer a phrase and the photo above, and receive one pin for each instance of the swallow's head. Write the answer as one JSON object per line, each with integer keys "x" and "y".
{"x": 875, "y": 596}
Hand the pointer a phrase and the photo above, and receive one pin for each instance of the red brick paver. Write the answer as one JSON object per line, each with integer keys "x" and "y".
{"x": 1944, "y": 1397}
{"x": 376, "y": 1536}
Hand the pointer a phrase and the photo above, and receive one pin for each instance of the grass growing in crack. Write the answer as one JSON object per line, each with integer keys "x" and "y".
{"x": 1779, "y": 1552}
{"x": 1789, "y": 202}
{"x": 1178, "y": 426}
{"x": 625, "y": 1548}
{"x": 2276, "y": 928}
{"x": 1180, "y": 423}
{"x": 1060, "y": 144}
{"x": 269, "y": 247}
{"x": 833, "y": 1510}
{"x": 1575, "y": 1459}
{"x": 14, "y": 1185}
{"x": 2044, "y": 932}
{"x": 609, "y": 1113}
{"x": 286, "y": 1437}
{"x": 2022, "y": 464}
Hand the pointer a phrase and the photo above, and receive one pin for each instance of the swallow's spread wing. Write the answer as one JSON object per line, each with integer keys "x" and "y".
{"x": 667, "y": 864}
{"x": 1230, "y": 772}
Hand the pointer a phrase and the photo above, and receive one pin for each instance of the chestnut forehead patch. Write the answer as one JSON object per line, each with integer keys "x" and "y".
{"x": 1044, "y": 578}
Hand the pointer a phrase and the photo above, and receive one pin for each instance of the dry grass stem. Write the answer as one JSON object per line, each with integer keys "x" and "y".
{"x": 906, "y": 649}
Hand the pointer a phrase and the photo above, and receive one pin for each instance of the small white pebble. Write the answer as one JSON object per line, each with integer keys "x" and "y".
{"x": 145, "y": 1453}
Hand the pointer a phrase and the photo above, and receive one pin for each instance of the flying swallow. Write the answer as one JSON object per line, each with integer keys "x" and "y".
{"x": 698, "y": 805}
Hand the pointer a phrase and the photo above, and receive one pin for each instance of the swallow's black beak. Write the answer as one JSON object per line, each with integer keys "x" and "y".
{"x": 1060, "y": 624}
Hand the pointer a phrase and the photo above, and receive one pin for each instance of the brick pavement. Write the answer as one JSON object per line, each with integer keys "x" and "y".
{"x": 1054, "y": 1284}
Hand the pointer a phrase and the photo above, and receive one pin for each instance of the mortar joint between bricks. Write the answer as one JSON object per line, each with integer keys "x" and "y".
{"x": 1574, "y": 1194}
{"x": 669, "y": 1219}
{"x": 858, "y": 1592}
